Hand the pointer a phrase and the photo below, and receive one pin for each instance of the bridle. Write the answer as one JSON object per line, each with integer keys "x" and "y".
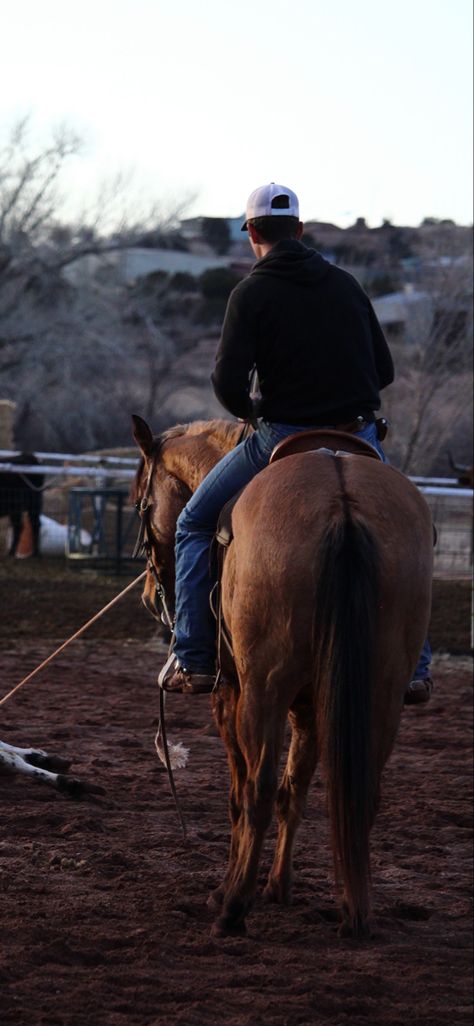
{"x": 144, "y": 547}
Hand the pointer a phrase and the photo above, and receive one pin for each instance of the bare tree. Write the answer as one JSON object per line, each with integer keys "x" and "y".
{"x": 430, "y": 402}
{"x": 71, "y": 356}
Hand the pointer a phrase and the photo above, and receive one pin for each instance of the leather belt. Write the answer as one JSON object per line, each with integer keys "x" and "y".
{"x": 381, "y": 426}
{"x": 354, "y": 425}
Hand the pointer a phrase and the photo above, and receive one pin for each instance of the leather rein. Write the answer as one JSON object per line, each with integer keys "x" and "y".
{"x": 144, "y": 546}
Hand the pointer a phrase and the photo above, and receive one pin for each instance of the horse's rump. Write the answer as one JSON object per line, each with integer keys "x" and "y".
{"x": 279, "y": 523}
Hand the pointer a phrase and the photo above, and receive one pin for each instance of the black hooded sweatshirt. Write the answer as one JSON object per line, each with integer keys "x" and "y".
{"x": 311, "y": 332}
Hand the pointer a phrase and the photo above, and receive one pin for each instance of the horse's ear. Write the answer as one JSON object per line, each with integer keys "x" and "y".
{"x": 142, "y": 435}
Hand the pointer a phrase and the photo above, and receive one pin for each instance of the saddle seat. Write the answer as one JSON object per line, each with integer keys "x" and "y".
{"x": 326, "y": 440}
{"x": 335, "y": 443}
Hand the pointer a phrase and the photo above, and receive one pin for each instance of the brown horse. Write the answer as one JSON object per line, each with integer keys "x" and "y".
{"x": 326, "y": 592}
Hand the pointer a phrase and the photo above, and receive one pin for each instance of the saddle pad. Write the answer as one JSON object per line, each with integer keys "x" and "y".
{"x": 323, "y": 438}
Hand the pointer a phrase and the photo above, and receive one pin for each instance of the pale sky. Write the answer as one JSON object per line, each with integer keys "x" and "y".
{"x": 363, "y": 107}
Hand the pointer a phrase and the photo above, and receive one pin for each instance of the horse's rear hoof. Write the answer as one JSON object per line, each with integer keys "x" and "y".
{"x": 277, "y": 893}
{"x": 53, "y": 763}
{"x": 356, "y": 929}
{"x": 216, "y": 898}
{"x": 223, "y": 927}
{"x": 75, "y": 788}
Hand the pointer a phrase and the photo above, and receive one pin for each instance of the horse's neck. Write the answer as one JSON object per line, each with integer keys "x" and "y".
{"x": 191, "y": 456}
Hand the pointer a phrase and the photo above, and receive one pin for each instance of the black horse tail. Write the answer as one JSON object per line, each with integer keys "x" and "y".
{"x": 346, "y": 610}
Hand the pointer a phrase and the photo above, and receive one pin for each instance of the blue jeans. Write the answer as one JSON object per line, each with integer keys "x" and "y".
{"x": 195, "y": 632}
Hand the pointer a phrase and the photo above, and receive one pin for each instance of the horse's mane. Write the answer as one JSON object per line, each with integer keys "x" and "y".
{"x": 223, "y": 432}
{"x": 221, "y": 435}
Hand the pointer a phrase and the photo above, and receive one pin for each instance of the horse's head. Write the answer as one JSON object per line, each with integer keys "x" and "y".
{"x": 159, "y": 497}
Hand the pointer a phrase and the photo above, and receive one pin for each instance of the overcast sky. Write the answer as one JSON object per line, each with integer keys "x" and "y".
{"x": 363, "y": 107}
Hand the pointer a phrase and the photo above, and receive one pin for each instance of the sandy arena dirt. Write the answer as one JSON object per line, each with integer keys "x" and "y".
{"x": 103, "y": 913}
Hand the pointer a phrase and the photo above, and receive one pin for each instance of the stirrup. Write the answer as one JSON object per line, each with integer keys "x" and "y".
{"x": 164, "y": 672}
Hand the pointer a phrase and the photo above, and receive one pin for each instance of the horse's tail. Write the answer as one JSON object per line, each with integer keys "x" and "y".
{"x": 346, "y": 604}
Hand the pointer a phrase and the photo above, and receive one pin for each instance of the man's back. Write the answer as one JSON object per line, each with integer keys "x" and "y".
{"x": 311, "y": 332}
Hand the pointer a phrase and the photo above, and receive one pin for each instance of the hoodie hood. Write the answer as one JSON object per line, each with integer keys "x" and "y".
{"x": 292, "y": 260}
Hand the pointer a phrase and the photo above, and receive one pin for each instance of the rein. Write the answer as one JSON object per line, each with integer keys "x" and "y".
{"x": 144, "y": 545}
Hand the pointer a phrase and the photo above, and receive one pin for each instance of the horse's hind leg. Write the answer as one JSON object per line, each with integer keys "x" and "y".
{"x": 224, "y": 706}
{"x": 291, "y": 797}
{"x": 15, "y": 520}
{"x": 260, "y": 735}
{"x": 35, "y": 521}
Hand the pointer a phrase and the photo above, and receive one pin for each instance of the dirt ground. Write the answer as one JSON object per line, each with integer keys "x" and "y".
{"x": 103, "y": 912}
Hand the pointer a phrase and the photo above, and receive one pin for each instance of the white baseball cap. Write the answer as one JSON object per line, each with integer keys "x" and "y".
{"x": 271, "y": 201}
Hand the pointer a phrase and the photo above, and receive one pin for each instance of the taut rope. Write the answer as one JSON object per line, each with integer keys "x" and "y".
{"x": 73, "y": 637}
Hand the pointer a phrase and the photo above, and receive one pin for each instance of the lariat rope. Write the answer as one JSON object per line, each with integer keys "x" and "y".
{"x": 73, "y": 637}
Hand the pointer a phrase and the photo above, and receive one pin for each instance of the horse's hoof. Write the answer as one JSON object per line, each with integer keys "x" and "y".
{"x": 53, "y": 763}
{"x": 216, "y": 898}
{"x": 277, "y": 894}
{"x": 224, "y": 927}
{"x": 357, "y": 931}
{"x": 75, "y": 788}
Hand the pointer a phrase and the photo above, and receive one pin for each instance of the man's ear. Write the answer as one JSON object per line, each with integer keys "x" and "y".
{"x": 299, "y": 230}
{"x": 254, "y": 235}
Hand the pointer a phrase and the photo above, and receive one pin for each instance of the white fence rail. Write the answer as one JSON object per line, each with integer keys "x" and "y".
{"x": 451, "y": 505}
{"x": 56, "y": 471}
{"x": 64, "y": 457}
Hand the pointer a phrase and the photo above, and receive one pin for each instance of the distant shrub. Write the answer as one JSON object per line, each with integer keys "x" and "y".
{"x": 147, "y": 284}
{"x": 210, "y": 311}
{"x": 218, "y": 282}
{"x": 182, "y": 281}
{"x": 383, "y": 285}
{"x": 216, "y": 232}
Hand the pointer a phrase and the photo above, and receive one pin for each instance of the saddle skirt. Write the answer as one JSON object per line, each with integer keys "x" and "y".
{"x": 328, "y": 440}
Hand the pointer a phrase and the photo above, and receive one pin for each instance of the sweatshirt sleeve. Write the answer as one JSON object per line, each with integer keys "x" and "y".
{"x": 236, "y": 356}
{"x": 382, "y": 354}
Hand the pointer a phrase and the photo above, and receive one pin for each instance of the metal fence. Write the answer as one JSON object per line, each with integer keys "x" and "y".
{"x": 87, "y": 514}
{"x": 451, "y": 510}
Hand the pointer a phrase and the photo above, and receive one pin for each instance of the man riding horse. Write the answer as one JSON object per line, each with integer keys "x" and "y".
{"x": 310, "y": 332}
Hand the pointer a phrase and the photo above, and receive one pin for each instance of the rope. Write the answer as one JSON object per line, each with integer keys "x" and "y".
{"x": 164, "y": 737}
{"x": 35, "y": 488}
{"x": 73, "y": 637}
